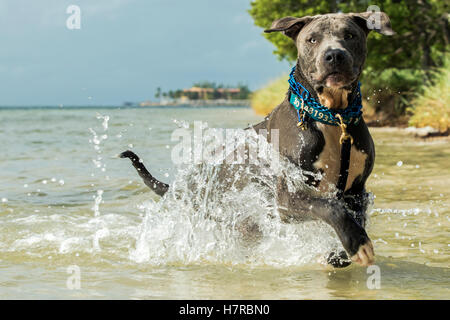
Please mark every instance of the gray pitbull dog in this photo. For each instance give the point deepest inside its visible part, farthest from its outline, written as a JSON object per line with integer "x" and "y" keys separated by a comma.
{"x": 331, "y": 54}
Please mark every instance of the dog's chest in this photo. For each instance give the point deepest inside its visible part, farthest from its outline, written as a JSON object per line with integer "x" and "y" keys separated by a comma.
{"x": 329, "y": 160}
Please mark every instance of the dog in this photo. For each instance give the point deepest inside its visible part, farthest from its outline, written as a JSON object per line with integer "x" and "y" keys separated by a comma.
{"x": 331, "y": 54}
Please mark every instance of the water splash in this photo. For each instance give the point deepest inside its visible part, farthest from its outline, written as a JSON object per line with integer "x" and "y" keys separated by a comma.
{"x": 96, "y": 140}
{"x": 97, "y": 200}
{"x": 228, "y": 214}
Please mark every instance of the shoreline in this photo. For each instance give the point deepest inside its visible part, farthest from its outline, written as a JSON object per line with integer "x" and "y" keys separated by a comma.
{"x": 155, "y": 106}
{"x": 425, "y": 133}
{"x": 200, "y": 103}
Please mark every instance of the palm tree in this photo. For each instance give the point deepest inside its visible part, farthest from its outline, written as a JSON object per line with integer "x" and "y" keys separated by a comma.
{"x": 158, "y": 93}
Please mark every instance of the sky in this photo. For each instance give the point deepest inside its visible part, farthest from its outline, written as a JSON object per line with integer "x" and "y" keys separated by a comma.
{"x": 125, "y": 49}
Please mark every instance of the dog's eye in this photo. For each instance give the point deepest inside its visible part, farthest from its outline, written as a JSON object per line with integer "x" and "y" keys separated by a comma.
{"x": 312, "y": 40}
{"x": 348, "y": 36}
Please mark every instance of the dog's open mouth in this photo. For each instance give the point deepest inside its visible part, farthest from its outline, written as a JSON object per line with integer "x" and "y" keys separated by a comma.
{"x": 335, "y": 79}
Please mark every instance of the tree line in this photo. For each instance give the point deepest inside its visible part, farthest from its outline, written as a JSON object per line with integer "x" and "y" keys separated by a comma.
{"x": 212, "y": 91}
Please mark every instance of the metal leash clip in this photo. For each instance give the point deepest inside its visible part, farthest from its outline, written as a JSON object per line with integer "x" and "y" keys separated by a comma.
{"x": 344, "y": 135}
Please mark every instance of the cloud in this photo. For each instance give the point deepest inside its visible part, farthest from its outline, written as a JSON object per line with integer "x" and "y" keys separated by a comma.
{"x": 123, "y": 51}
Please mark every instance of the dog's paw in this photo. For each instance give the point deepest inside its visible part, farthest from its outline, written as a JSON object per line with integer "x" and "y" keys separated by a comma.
{"x": 338, "y": 260}
{"x": 365, "y": 254}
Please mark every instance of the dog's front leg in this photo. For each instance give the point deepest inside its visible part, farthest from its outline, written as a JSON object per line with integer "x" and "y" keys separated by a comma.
{"x": 358, "y": 203}
{"x": 334, "y": 212}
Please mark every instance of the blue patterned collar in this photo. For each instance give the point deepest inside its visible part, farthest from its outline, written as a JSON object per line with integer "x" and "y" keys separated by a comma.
{"x": 305, "y": 104}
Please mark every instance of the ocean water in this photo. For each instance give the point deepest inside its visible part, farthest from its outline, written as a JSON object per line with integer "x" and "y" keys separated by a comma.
{"x": 70, "y": 210}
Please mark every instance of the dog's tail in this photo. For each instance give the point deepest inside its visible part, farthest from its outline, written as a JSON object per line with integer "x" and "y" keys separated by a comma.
{"x": 160, "y": 188}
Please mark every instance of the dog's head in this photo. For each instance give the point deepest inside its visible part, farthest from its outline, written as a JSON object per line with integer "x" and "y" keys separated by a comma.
{"x": 332, "y": 47}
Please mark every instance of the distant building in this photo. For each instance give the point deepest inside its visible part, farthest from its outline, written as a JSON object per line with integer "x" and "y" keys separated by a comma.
{"x": 196, "y": 93}
{"x": 146, "y": 103}
{"x": 229, "y": 90}
{"x": 183, "y": 99}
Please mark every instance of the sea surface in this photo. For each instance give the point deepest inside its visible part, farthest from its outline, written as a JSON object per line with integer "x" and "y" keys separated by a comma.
{"x": 76, "y": 222}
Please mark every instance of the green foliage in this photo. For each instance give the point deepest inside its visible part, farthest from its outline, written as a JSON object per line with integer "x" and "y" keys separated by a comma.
{"x": 245, "y": 92}
{"x": 391, "y": 90}
{"x": 215, "y": 93}
{"x": 158, "y": 93}
{"x": 432, "y": 106}
{"x": 400, "y": 63}
{"x": 207, "y": 84}
{"x": 267, "y": 98}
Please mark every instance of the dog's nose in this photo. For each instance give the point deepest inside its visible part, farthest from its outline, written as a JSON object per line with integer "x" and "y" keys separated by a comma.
{"x": 334, "y": 56}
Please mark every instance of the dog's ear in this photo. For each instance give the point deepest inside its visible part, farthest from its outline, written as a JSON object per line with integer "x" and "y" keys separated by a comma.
{"x": 377, "y": 21}
{"x": 290, "y": 26}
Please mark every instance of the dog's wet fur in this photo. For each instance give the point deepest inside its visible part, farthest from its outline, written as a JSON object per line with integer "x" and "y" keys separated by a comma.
{"x": 331, "y": 54}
